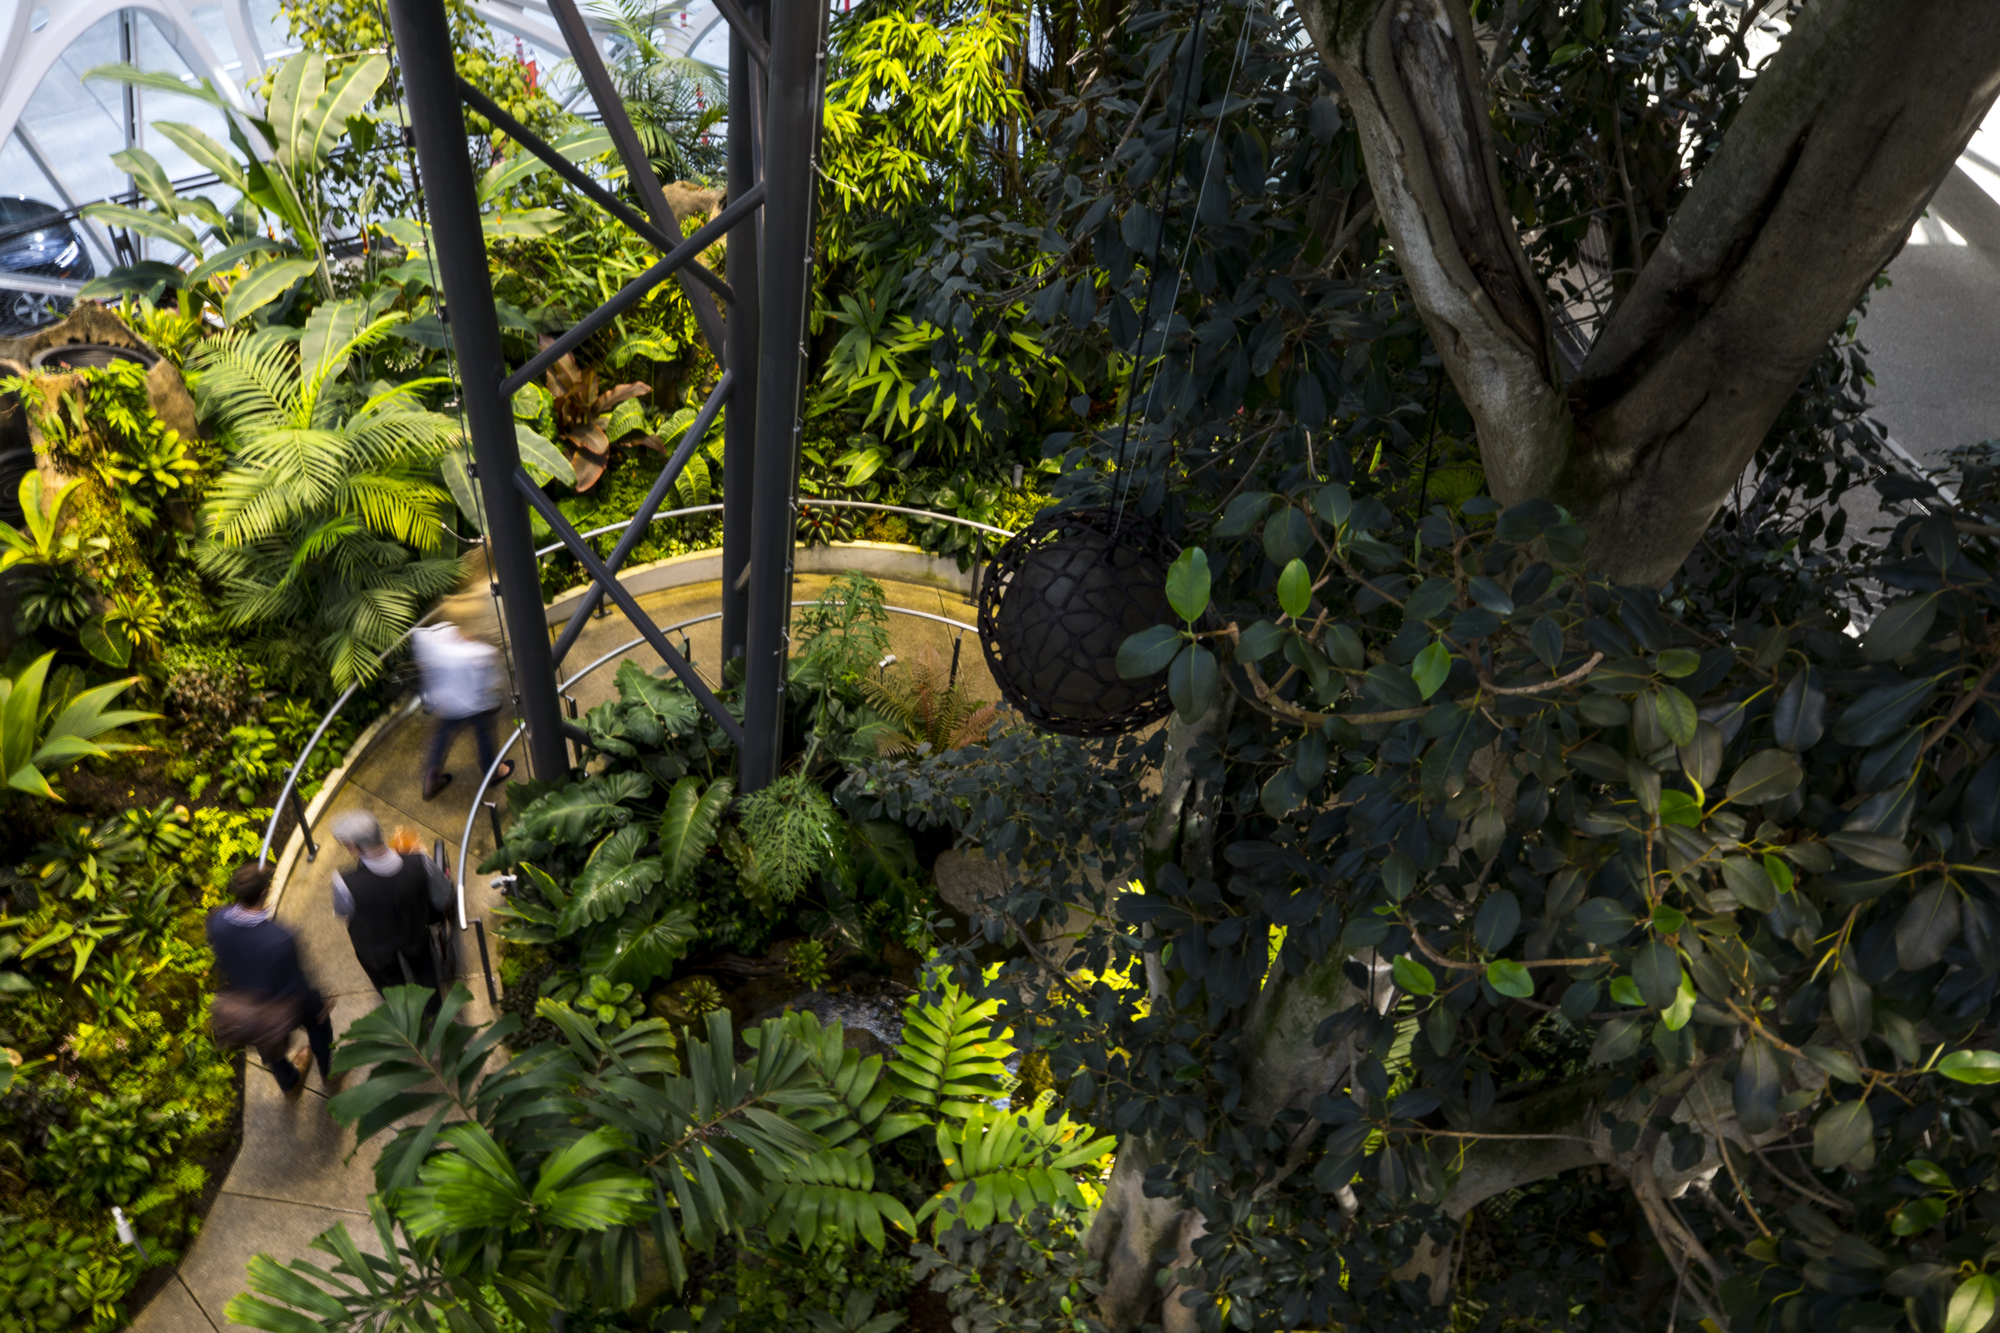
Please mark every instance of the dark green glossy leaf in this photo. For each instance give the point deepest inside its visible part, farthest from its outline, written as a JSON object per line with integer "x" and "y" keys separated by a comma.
{"x": 1498, "y": 920}
{"x": 1758, "y": 1086}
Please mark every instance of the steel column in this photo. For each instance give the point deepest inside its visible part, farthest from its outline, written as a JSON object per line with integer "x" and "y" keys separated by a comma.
{"x": 739, "y": 428}
{"x": 791, "y": 140}
{"x": 430, "y": 84}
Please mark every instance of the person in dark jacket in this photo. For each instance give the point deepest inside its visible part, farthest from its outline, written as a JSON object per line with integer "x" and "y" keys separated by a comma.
{"x": 258, "y": 955}
{"x": 388, "y": 900}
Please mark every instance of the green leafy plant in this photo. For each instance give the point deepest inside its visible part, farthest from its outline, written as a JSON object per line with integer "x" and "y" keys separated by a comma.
{"x": 313, "y": 105}
{"x": 501, "y": 1187}
{"x": 806, "y": 965}
{"x": 34, "y": 742}
{"x": 608, "y": 1003}
{"x": 53, "y": 1281}
{"x": 255, "y": 760}
{"x": 326, "y": 524}
{"x": 788, "y": 827}
{"x": 926, "y": 708}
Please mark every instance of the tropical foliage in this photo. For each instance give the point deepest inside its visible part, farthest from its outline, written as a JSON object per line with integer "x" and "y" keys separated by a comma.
{"x": 501, "y": 1194}
{"x": 311, "y": 528}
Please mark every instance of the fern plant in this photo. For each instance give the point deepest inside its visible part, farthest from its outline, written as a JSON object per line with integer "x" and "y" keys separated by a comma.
{"x": 926, "y": 707}
{"x": 327, "y": 524}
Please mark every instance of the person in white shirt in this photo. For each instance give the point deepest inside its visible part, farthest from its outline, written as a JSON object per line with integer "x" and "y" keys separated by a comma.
{"x": 462, "y": 687}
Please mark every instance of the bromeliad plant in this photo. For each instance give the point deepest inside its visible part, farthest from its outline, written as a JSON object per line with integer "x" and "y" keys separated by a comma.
{"x": 35, "y": 740}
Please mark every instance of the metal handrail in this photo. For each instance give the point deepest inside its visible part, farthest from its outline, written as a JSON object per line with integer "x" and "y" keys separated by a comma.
{"x": 929, "y": 514}
{"x": 478, "y": 796}
{"x": 290, "y": 789}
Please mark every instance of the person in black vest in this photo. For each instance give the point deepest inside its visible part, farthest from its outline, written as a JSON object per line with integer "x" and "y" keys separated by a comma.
{"x": 258, "y": 955}
{"x": 388, "y": 900}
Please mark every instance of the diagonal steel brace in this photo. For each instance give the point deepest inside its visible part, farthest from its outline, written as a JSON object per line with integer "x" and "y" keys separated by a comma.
{"x": 629, "y": 604}
{"x": 635, "y": 530}
{"x": 590, "y": 64}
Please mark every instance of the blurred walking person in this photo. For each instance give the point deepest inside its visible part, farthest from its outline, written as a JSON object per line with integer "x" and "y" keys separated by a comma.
{"x": 389, "y": 900}
{"x": 462, "y": 684}
{"x": 266, "y": 993}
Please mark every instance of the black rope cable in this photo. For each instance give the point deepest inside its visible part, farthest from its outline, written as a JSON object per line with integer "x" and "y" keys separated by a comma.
{"x": 1188, "y": 88}
{"x": 1120, "y": 491}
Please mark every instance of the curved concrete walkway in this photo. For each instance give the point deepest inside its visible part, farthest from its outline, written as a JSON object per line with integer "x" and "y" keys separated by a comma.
{"x": 292, "y": 1178}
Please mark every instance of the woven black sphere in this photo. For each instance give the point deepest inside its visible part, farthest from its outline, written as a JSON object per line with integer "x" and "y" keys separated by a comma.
{"x": 1059, "y": 598}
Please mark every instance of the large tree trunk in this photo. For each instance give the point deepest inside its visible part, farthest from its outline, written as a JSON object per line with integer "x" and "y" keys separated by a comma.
{"x": 1829, "y": 162}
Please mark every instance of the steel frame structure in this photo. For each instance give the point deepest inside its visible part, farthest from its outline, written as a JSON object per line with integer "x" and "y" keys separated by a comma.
{"x": 776, "y": 77}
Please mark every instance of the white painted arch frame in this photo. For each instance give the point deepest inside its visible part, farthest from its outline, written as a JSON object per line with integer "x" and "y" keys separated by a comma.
{"x": 27, "y": 57}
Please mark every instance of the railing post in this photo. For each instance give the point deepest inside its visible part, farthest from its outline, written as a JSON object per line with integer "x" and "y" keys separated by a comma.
{"x": 305, "y": 825}
{"x": 430, "y": 88}
{"x": 791, "y": 137}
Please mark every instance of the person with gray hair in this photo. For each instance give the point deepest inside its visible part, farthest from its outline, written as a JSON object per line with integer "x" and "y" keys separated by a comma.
{"x": 388, "y": 900}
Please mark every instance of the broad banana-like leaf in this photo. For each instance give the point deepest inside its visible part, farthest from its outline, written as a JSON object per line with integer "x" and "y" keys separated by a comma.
{"x": 263, "y": 285}
{"x": 147, "y": 278}
{"x": 409, "y": 234}
{"x": 206, "y": 151}
{"x": 577, "y": 145}
{"x": 150, "y": 177}
{"x": 689, "y": 826}
{"x": 542, "y": 460}
{"x": 160, "y": 82}
{"x": 295, "y": 90}
{"x": 146, "y": 224}
{"x": 231, "y": 255}
{"x": 346, "y": 96}
{"x": 521, "y": 224}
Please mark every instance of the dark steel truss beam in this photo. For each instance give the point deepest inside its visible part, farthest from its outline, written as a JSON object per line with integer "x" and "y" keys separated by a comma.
{"x": 635, "y": 530}
{"x": 747, "y": 29}
{"x": 584, "y": 185}
{"x": 430, "y": 85}
{"x": 608, "y": 582}
{"x": 791, "y": 140}
{"x": 634, "y": 291}
{"x": 638, "y": 167}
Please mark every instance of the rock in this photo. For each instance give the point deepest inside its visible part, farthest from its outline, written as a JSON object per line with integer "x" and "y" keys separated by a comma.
{"x": 690, "y": 200}
{"x": 966, "y": 880}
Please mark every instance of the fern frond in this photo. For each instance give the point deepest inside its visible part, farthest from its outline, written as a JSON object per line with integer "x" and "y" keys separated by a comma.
{"x": 950, "y": 1060}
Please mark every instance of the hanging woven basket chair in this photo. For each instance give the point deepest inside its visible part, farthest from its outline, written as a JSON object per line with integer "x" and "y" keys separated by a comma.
{"x": 1058, "y": 600}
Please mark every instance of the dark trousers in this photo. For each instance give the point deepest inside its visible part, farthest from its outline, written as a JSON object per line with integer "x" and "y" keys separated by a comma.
{"x": 447, "y": 730}
{"x": 315, "y": 1018}
{"x": 383, "y": 974}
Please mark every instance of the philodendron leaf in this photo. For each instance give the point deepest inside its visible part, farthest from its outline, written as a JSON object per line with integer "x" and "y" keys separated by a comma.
{"x": 610, "y": 880}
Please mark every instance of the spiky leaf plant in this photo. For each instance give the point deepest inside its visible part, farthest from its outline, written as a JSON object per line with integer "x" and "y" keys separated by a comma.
{"x": 326, "y": 529}
{"x": 927, "y": 707}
